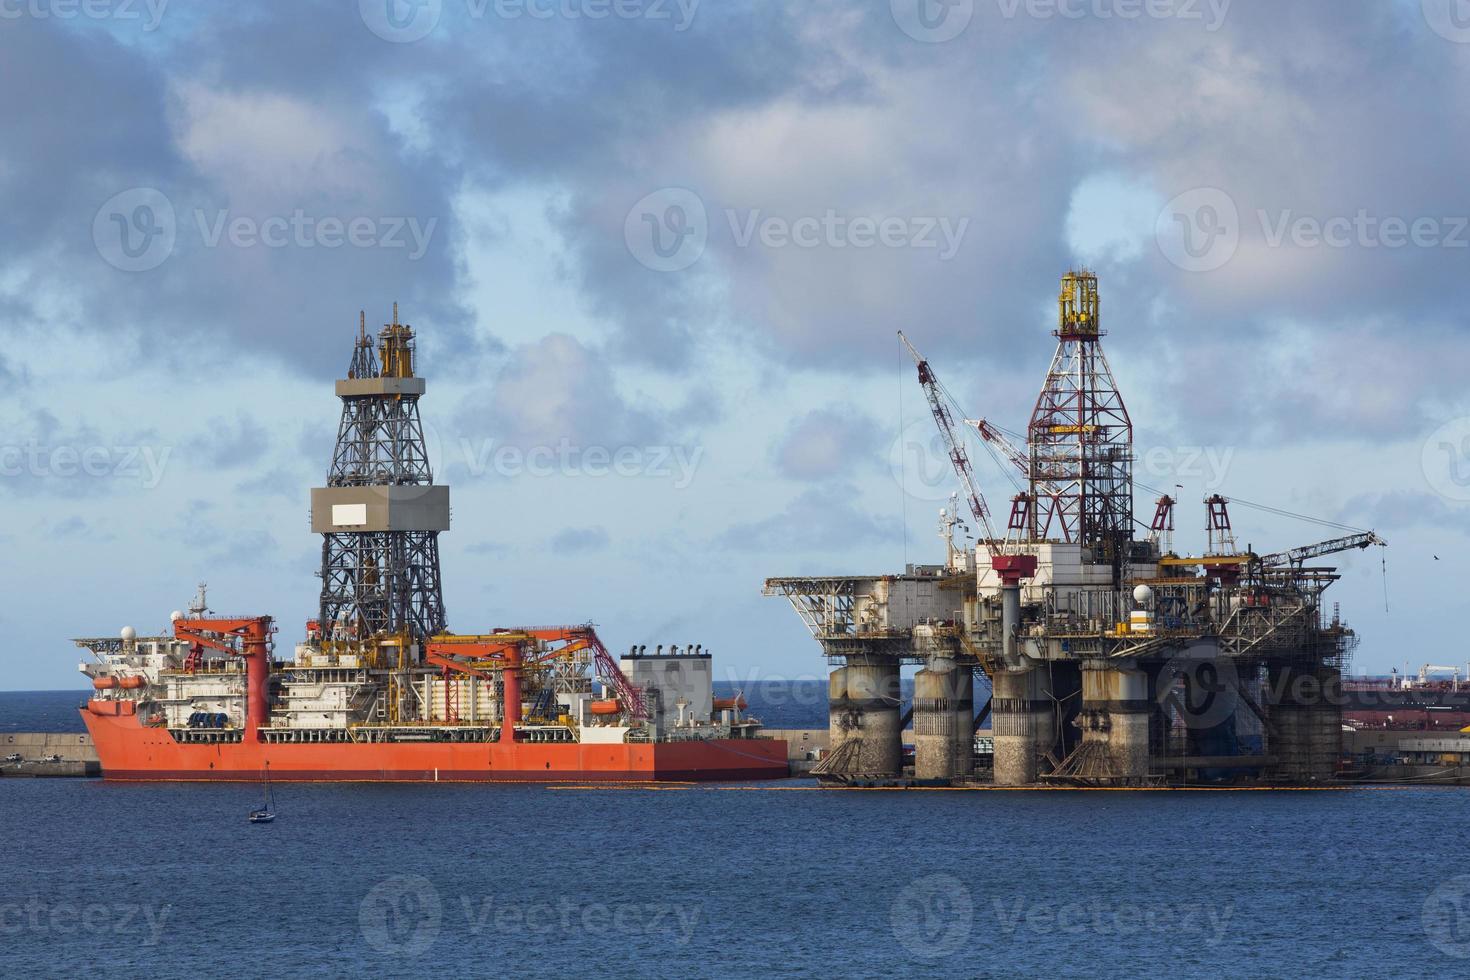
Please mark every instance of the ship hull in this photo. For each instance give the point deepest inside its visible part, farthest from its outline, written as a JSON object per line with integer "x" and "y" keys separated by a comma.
{"x": 132, "y": 752}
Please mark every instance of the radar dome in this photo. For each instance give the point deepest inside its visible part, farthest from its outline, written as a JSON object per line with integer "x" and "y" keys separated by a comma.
{"x": 175, "y": 616}
{"x": 1142, "y": 594}
{"x": 128, "y": 634}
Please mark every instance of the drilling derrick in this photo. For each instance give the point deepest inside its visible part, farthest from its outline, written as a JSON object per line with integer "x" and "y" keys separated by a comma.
{"x": 1081, "y": 438}
{"x": 380, "y": 513}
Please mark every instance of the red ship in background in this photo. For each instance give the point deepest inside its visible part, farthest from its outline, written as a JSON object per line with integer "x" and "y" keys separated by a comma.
{"x": 381, "y": 689}
{"x": 1426, "y": 701}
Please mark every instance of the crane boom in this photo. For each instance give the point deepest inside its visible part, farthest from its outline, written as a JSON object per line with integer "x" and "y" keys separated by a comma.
{"x": 998, "y": 439}
{"x": 957, "y": 455}
{"x": 1295, "y": 556}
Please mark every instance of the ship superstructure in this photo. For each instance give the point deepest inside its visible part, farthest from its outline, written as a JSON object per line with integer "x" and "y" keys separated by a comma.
{"x": 380, "y": 688}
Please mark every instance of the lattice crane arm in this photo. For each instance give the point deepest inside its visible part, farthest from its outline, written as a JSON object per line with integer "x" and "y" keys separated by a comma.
{"x": 996, "y": 438}
{"x": 957, "y": 455}
{"x": 1295, "y": 556}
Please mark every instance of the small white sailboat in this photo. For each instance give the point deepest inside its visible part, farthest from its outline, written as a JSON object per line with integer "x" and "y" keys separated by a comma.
{"x": 266, "y": 812}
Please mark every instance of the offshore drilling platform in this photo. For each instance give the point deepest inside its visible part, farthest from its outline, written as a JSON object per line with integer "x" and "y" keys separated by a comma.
{"x": 1112, "y": 661}
{"x": 381, "y": 689}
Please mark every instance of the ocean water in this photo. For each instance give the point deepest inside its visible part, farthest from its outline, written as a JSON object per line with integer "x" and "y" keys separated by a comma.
{"x": 724, "y": 881}
{"x": 169, "y": 880}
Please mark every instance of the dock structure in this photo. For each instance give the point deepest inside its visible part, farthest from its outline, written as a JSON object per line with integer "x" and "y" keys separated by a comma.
{"x": 1110, "y": 659}
{"x": 48, "y": 754}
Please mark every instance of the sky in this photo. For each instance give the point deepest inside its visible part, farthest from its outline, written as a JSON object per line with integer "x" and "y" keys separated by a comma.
{"x": 656, "y": 253}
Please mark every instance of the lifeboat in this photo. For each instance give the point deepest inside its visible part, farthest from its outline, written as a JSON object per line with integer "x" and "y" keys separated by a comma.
{"x": 730, "y": 704}
{"x": 132, "y": 683}
{"x": 104, "y": 683}
{"x": 608, "y": 707}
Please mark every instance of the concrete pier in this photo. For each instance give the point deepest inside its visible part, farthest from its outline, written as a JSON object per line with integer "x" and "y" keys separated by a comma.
{"x": 48, "y": 754}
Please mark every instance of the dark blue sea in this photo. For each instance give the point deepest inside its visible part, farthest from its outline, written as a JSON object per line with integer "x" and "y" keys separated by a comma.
{"x": 169, "y": 880}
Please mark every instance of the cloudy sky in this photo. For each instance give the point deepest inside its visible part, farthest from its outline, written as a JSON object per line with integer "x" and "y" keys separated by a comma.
{"x": 656, "y": 252}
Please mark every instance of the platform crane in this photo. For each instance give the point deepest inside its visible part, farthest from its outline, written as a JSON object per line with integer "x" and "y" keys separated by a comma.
{"x": 1295, "y": 556}
{"x": 1005, "y": 557}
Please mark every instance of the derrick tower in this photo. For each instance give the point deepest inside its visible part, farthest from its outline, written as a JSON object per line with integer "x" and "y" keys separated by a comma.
{"x": 1081, "y": 439}
{"x": 380, "y": 513}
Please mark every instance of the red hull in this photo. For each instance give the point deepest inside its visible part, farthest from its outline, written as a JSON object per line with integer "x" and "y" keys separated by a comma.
{"x": 129, "y": 751}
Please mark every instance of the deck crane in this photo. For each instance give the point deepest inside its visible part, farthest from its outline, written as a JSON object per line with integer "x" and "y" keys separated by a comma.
{"x": 957, "y": 455}
{"x": 1005, "y": 557}
{"x": 996, "y": 438}
{"x": 1295, "y": 556}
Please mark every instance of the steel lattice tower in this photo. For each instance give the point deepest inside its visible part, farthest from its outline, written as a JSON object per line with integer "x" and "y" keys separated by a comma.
{"x": 1081, "y": 439}
{"x": 380, "y": 513}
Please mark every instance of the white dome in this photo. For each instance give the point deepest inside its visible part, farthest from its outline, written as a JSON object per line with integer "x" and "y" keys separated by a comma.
{"x": 1142, "y": 594}
{"x": 175, "y": 616}
{"x": 128, "y": 634}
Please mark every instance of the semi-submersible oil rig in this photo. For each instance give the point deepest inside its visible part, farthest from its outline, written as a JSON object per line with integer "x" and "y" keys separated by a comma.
{"x": 1112, "y": 661}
